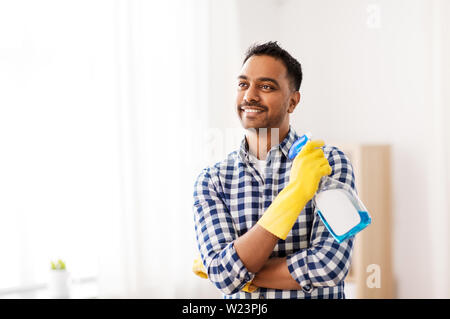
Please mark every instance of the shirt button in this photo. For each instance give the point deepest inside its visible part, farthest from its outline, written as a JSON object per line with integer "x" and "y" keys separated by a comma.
{"x": 307, "y": 288}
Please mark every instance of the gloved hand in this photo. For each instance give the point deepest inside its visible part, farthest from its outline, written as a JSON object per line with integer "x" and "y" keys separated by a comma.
{"x": 200, "y": 271}
{"x": 309, "y": 166}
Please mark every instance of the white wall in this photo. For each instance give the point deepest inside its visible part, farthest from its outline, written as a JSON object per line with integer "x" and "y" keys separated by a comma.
{"x": 372, "y": 78}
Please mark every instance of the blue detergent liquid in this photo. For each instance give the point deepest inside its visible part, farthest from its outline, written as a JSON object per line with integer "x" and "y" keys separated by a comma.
{"x": 364, "y": 222}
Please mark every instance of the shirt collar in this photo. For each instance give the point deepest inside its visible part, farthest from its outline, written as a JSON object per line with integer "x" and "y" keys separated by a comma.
{"x": 284, "y": 146}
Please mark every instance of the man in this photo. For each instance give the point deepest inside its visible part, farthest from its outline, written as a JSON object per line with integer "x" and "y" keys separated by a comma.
{"x": 258, "y": 233}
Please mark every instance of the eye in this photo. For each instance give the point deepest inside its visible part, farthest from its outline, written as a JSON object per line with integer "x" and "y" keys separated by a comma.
{"x": 267, "y": 87}
{"x": 242, "y": 84}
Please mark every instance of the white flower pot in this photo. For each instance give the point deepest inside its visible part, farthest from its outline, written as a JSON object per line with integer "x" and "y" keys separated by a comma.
{"x": 58, "y": 284}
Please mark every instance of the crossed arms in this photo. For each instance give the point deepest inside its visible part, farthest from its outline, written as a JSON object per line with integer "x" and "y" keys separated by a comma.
{"x": 232, "y": 261}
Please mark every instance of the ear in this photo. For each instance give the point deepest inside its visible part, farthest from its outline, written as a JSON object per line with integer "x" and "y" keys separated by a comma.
{"x": 294, "y": 99}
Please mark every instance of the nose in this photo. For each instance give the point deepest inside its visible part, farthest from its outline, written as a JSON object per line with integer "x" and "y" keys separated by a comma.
{"x": 251, "y": 95}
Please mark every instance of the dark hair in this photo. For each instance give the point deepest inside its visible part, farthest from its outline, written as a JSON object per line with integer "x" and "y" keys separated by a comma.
{"x": 294, "y": 68}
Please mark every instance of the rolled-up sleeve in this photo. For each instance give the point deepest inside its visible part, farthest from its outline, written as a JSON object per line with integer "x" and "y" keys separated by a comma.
{"x": 215, "y": 233}
{"x": 326, "y": 262}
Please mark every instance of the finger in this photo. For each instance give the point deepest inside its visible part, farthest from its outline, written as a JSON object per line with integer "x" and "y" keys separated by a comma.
{"x": 324, "y": 162}
{"x": 316, "y": 154}
{"x": 311, "y": 145}
{"x": 321, "y": 163}
{"x": 325, "y": 170}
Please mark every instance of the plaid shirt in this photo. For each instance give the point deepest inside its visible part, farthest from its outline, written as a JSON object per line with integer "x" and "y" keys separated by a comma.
{"x": 231, "y": 196}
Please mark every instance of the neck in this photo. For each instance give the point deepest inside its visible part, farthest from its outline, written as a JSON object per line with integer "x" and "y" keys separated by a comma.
{"x": 261, "y": 140}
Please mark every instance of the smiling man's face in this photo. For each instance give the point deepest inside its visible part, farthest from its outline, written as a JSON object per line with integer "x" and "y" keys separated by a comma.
{"x": 265, "y": 97}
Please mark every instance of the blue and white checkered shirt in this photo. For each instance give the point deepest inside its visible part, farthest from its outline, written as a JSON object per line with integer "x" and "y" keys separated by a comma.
{"x": 231, "y": 196}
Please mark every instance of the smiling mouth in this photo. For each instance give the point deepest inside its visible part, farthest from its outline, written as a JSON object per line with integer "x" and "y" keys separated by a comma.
{"x": 245, "y": 110}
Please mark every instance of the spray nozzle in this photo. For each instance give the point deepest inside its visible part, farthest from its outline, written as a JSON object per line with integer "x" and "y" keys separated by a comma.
{"x": 298, "y": 145}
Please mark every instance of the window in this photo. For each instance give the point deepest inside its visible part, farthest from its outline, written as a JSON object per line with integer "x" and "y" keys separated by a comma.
{"x": 58, "y": 137}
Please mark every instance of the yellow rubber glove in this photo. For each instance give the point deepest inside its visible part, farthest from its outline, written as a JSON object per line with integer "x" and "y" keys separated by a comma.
{"x": 309, "y": 166}
{"x": 200, "y": 271}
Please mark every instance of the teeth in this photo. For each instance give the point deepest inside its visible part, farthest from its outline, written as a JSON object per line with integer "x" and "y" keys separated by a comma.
{"x": 253, "y": 111}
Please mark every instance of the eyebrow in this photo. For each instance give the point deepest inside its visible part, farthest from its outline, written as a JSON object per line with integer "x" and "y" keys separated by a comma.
{"x": 263, "y": 79}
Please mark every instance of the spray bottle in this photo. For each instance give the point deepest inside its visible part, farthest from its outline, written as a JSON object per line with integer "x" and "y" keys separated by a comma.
{"x": 338, "y": 205}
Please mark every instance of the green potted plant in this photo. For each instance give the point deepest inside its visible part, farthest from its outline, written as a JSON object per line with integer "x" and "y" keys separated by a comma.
{"x": 59, "y": 280}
